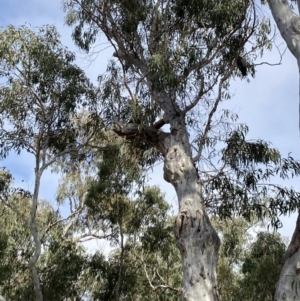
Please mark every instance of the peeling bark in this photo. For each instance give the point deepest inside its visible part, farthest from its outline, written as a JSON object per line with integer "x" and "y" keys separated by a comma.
{"x": 197, "y": 240}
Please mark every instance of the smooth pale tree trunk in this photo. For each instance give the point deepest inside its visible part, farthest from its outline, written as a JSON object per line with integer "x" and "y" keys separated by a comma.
{"x": 288, "y": 23}
{"x": 35, "y": 234}
{"x": 288, "y": 286}
{"x": 197, "y": 240}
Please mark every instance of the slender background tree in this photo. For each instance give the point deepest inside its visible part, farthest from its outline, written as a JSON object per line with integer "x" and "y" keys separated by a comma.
{"x": 40, "y": 105}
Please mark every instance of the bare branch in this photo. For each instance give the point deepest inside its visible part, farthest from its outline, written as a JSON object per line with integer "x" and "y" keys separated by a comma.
{"x": 89, "y": 236}
{"x": 160, "y": 286}
{"x": 211, "y": 114}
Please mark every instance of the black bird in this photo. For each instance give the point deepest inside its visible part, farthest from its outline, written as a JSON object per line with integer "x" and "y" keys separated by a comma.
{"x": 242, "y": 65}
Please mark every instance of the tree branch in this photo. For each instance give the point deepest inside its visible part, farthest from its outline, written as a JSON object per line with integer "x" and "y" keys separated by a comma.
{"x": 160, "y": 286}
{"x": 135, "y": 130}
{"x": 210, "y": 116}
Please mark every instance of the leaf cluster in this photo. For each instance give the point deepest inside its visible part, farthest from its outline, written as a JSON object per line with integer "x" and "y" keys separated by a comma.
{"x": 178, "y": 48}
{"x": 244, "y": 186}
{"x": 43, "y": 91}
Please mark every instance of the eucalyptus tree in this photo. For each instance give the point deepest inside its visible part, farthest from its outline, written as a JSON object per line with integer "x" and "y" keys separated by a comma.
{"x": 144, "y": 263}
{"x": 47, "y": 109}
{"x": 170, "y": 71}
{"x": 61, "y": 263}
{"x": 250, "y": 259}
{"x": 261, "y": 268}
{"x": 288, "y": 22}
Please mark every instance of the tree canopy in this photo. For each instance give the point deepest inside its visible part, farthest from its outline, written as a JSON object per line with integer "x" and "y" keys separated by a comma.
{"x": 159, "y": 101}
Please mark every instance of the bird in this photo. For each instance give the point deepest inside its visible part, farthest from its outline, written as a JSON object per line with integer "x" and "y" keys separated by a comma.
{"x": 242, "y": 65}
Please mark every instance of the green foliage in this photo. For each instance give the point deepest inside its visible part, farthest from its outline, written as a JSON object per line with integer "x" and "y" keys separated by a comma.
{"x": 261, "y": 268}
{"x": 179, "y": 56}
{"x": 151, "y": 262}
{"x": 4, "y": 267}
{"x": 173, "y": 56}
{"x": 234, "y": 243}
{"x": 108, "y": 195}
{"x": 249, "y": 267}
{"x": 61, "y": 262}
{"x": 146, "y": 258}
{"x": 245, "y": 188}
{"x": 43, "y": 91}
{"x": 180, "y": 49}
{"x": 60, "y": 269}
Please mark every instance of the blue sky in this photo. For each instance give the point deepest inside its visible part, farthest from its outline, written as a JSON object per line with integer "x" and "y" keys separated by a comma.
{"x": 269, "y": 104}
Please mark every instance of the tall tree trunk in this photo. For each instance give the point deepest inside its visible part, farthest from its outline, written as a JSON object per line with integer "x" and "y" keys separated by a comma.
{"x": 35, "y": 234}
{"x": 288, "y": 286}
{"x": 197, "y": 240}
{"x": 288, "y": 23}
{"x": 121, "y": 263}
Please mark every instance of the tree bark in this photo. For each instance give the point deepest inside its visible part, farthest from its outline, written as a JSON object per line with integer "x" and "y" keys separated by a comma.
{"x": 35, "y": 234}
{"x": 197, "y": 240}
{"x": 288, "y": 286}
{"x": 288, "y": 23}
{"x": 37, "y": 242}
{"x": 121, "y": 262}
